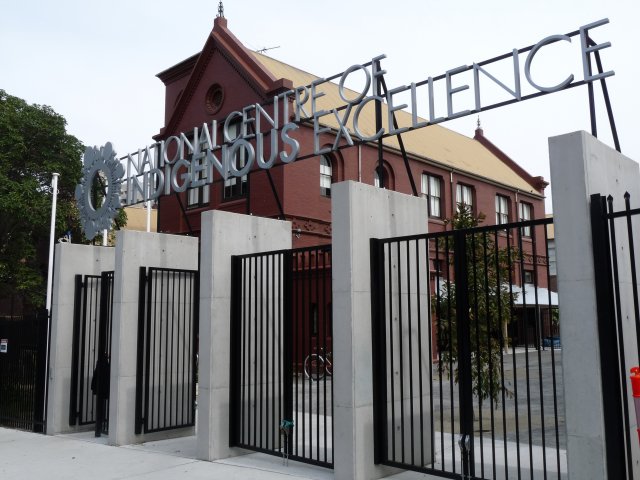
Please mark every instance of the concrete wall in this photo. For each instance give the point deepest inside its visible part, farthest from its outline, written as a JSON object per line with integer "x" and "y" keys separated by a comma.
{"x": 135, "y": 250}
{"x": 581, "y": 166}
{"x": 70, "y": 260}
{"x": 360, "y": 212}
{"x": 223, "y": 235}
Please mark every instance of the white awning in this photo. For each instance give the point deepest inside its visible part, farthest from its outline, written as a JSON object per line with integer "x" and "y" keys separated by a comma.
{"x": 545, "y": 297}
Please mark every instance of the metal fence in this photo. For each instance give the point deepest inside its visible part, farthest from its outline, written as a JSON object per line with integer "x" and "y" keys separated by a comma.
{"x": 281, "y": 378}
{"x": 23, "y": 343}
{"x": 467, "y": 378}
{"x": 167, "y": 349}
{"x": 618, "y": 303}
{"x": 91, "y": 351}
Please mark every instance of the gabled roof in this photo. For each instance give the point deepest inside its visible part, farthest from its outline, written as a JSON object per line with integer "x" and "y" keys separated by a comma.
{"x": 223, "y": 40}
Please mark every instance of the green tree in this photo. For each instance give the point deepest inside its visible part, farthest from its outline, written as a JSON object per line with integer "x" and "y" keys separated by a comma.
{"x": 33, "y": 145}
{"x": 489, "y": 309}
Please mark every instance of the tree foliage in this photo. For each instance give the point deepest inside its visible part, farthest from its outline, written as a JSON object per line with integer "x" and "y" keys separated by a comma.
{"x": 33, "y": 145}
{"x": 489, "y": 301}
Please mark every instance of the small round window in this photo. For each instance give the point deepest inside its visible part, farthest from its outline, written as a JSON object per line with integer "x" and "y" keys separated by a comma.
{"x": 214, "y": 98}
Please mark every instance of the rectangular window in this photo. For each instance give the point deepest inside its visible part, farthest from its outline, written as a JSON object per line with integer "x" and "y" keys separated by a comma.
{"x": 431, "y": 190}
{"x": 528, "y": 276}
{"x": 236, "y": 186}
{"x": 464, "y": 195}
{"x": 502, "y": 210}
{"x": 325, "y": 176}
{"x": 525, "y": 213}
{"x": 198, "y": 196}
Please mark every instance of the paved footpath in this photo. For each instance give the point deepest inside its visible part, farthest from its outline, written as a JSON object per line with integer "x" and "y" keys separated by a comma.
{"x": 27, "y": 456}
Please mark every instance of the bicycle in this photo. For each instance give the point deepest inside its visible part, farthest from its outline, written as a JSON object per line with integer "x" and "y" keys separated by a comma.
{"x": 317, "y": 365}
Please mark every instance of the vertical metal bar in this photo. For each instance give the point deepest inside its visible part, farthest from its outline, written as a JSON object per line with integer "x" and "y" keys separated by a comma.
{"x": 401, "y": 350}
{"x": 82, "y": 408}
{"x": 475, "y": 347}
{"x": 378, "y": 359}
{"x": 195, "y": 341}
{"x": 553, "y": 364}
{"x": 503, "y": 344}
{"x": 316, "y": 276}
{"x": 391, "y": 370}
{"x": 75, "y": 350}
{"x": 520, "y": 253}
{"x": 242, "y": 297}
{"x": 255, "y": 351}
{"x": 269, "y": 426}
{"x": 611, "y": 394}
{"x": 378, "y": 113}
{"x": 592, "y": 103}
{"x": 534, "y": 248}
{"x": 288, "y": 341}
{"x": 607, "y": 101}
{"x": 490, "y": 347}
{"x": 142, "y": 281}
{"x": 510, "y": 254}
{"x": 634, "y": 276}
{"x": 618, "y": 317}
{"x": 403, "y": 151}
{"x": 260, "y": 360}
{"x": 465, "y": 388}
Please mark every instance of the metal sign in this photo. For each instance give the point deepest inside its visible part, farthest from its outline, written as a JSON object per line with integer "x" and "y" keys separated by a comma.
{"x": 193, "y": 159}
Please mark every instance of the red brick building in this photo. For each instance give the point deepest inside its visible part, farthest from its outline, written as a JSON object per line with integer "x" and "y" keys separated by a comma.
{"x": 447, "y": 167}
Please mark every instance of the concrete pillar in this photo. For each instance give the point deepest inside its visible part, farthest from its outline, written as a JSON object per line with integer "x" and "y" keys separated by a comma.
{"x": 135, "y": 250}
{"x": 70, "y": 260}
{"x": 581, "y": 166}
{"x": 223, "y": 235}
{"x": 360, "y": 212}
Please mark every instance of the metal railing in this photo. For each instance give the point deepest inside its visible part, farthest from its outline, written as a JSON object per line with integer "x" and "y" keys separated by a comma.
{"x": 617, "y": 298}
{"x": 467, "y": 383}
{"x": 167, "y": 349}
{"x": 280, "y": 323}
{"x": 22, "y": 371}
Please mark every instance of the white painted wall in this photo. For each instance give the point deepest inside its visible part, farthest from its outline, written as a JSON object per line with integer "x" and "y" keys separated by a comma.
{"x": 581, "y": 166}
{"x": 70, "y": 260}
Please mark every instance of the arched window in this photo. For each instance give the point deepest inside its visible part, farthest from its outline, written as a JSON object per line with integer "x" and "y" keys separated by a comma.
{"x": 326, "y": 175}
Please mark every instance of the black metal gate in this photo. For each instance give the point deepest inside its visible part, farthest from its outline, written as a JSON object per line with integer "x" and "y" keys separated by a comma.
{"x": 618, "y": 323}
{"x": 281, "y": 375}
{"x": 23, "y": 350}
{"x": 467, "y": 379}
{"x": 167, "y": 349}
{"x": 91, "y": 351}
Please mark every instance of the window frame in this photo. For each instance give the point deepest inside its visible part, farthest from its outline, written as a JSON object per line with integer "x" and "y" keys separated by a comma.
{"x": 325, "y": 191}
{"x": 499, "y": 212}
{"x": 232, "y": 189}
{"x": 526, "y": 230}
{"x": 460, "y": 188}
{"x": 432, "y": 199}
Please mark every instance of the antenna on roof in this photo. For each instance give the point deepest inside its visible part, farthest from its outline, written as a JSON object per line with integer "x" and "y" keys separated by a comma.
{"x": 220, "y": 10}
{"x": 264, "y": 49}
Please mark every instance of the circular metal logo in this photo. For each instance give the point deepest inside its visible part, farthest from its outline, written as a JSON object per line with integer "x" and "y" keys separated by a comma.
{"x": 101, "y": 167}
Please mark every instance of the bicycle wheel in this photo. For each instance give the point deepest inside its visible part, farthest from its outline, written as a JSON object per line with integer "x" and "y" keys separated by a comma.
{"x": 329, "y": 364}
{"x": 314, "y": 367}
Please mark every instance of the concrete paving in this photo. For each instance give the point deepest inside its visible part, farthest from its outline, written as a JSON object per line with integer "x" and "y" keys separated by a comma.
{"x": 27, "y": 456}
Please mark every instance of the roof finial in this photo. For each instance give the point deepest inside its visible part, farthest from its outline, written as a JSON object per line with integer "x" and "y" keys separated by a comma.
{"x": 220, "y": 10}
{"x": 478, "y": 115}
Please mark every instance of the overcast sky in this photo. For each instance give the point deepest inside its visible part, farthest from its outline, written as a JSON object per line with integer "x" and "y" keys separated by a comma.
{"x": 95, "y": 62}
